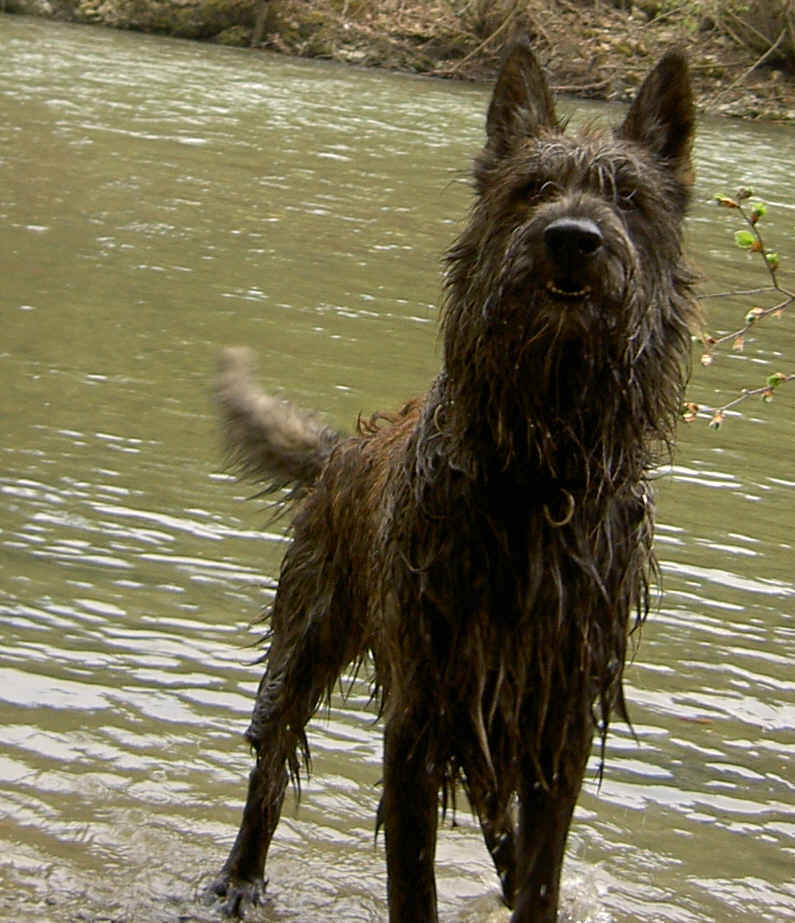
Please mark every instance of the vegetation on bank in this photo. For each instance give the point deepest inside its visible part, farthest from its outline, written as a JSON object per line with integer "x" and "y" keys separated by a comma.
{"x": 742, "y": 51}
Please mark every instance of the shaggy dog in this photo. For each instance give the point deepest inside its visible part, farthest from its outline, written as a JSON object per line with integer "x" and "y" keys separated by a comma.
{"x": 489, "y": 545}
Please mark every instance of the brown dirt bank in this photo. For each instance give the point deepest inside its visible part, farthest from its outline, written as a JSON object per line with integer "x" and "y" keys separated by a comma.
{"x": 742, "y": 65}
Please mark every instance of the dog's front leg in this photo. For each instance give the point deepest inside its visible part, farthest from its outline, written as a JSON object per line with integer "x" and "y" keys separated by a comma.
{"x": 409, "y": 810}
{"x": 544, "y": 823}
{"x": 490, "y": 795}
{"x": 544, "y": 817}
{"x": 498, "y": 831}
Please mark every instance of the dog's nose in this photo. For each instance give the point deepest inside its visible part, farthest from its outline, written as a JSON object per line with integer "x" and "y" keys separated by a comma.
{"x": 569, "y": 239}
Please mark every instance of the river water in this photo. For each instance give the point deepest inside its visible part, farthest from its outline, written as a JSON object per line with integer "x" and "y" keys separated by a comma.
{"x": 159, "y": 199}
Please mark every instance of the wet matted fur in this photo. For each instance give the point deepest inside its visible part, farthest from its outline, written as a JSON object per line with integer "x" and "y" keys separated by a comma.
{"x": 489, "y": 545}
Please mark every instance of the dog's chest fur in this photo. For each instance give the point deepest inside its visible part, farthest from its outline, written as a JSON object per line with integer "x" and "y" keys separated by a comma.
{"x": 507, "y": 594}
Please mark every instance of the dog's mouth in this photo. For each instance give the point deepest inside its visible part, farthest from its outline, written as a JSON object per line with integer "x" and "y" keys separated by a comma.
{"x": 567, "y": 289}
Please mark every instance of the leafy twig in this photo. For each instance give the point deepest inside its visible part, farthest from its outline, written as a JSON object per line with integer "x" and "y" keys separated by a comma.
{"x": 749, "y": 239}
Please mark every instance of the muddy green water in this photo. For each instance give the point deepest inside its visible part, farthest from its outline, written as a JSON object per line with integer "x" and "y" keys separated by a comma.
{"x": 159, "y": 199}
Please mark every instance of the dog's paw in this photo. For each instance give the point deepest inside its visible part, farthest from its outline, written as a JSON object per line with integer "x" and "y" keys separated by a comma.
{"x": 235, "y": 894}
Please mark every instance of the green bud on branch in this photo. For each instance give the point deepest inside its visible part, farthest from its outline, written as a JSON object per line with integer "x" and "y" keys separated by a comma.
{"x": 758, "y": 211}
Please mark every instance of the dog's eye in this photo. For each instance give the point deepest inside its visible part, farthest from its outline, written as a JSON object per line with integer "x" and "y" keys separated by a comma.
{"x": 628, "y": 201}
{"x": 532, "y": 191}
{"x": 527, "y": 192}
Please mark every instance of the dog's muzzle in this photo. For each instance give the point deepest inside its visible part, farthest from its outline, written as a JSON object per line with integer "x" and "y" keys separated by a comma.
{"x": 571, "y": 245}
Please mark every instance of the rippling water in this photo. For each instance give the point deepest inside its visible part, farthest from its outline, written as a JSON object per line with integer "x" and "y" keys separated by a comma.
{"x": 159, "y": 199}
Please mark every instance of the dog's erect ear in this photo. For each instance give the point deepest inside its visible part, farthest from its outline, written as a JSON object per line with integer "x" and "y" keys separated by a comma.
{"x": 521, "y": 102}
{"x": 662, "y": 117}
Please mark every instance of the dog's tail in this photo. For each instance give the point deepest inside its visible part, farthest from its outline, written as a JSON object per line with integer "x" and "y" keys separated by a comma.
{"x": 265, "y": 438}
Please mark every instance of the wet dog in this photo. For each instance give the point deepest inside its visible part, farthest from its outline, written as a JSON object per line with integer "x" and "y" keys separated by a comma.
{"x": 487, "y": 549}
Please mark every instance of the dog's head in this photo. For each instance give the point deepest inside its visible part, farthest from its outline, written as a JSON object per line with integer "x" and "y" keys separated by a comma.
{"x": 570, "y": 227}
{"x": 571, "y": 269}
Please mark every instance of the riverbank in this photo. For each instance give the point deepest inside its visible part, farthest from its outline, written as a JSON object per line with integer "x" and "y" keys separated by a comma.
{"x": 589, "y": 49}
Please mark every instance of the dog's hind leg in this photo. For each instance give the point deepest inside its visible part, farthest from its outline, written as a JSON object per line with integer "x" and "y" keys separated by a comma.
{"x": 276, "y": 743}
{"x": 410, "y": 813}
{"x": 310, "y": 646}
{"x": 240, "y": 881}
